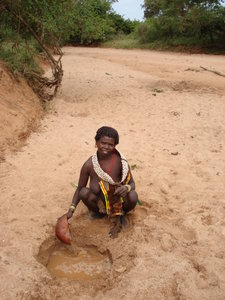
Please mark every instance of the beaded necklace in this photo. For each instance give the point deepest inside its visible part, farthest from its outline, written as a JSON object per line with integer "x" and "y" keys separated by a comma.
{"x": 106, "y": 177}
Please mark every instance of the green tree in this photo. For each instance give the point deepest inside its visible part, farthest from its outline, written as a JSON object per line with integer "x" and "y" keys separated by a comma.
{"x": 51, "y": 20}
{"x": 190, "y": 21}
{"x": 155, "y": 8}
{"x": 91, "y": 21}
{"x": 121, "y": 25}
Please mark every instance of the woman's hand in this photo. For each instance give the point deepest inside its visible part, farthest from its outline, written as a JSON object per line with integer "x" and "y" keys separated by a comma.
{"x": 121, "y": 191}
{"x": 69, "y": 214}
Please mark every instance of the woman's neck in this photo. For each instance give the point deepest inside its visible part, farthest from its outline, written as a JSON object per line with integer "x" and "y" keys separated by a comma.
{"x": 104, "y": 157}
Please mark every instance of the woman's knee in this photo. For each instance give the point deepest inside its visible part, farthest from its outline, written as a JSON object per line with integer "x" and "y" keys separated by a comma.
{"x": 84, "y": 193}
{"x": 131, "y": 202}
{"x": 133, "y": 197}
{"x": 87, "y": 195}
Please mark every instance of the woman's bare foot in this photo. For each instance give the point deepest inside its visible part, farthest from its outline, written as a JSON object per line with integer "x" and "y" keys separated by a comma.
{"x": 115, "y": 226}
{"x": 124, "y": 221}
{"x": 95, "y": 215}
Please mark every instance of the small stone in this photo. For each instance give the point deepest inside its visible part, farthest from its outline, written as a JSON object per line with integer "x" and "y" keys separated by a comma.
{"x": 120, "y": 269}
{"x": 219, "y": 255}
{"x": 174, "y": 153}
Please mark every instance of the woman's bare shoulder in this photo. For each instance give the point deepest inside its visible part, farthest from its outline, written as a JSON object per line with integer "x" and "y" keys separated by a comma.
{"x": 88, "y": 164}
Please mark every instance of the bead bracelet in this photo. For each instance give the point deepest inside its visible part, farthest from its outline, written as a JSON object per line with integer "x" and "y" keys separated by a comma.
{"x": 128, "y": 187}
{"x": 72, "y": 207}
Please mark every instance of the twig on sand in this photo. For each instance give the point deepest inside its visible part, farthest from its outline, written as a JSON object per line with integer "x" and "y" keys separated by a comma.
{"x": 213, "y": 71}
{"x": 74, "y": 185}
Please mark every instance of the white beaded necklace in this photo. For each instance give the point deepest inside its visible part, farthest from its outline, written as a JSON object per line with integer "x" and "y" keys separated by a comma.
{"x": 106, "y": 177}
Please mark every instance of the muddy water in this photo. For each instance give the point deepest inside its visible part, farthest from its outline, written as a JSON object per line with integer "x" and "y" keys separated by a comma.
{"x": 83, "y": 264}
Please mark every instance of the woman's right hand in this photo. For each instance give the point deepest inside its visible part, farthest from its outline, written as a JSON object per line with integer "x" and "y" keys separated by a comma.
{"x": 69, "y": 214}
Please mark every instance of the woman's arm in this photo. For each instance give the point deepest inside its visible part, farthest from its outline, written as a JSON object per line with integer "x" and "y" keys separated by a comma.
{"x": 83, "y": 179}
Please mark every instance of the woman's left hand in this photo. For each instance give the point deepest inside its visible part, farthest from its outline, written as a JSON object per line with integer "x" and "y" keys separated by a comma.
{"x": 121, "y": 191}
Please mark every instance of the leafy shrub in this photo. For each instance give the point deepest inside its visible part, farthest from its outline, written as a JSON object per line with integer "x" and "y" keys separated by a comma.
{"x": 17, "y": 52}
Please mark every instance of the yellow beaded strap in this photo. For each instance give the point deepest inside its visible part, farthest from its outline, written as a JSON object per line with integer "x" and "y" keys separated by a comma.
{"x": 128, "y": 178}
{"x": 105, "y": 193}
{"x": 107, "y": 205}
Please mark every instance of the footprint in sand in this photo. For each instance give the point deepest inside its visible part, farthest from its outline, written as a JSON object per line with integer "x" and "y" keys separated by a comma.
{"x": 145, "y": 205}
{"x": 141, "y": 212}
{"x": 189, "y": 234}
{"x": 206, "y": 219}
{"x": 204, "y": 279}
{"x": 167, "y": 242}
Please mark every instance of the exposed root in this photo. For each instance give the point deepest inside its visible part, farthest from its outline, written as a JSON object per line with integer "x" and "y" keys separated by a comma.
{"x": 44, "y": 87}
{"x": 213, "y": 71}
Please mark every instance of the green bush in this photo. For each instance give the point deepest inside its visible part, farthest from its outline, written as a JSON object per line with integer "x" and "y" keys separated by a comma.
{"x": 122, "y": 41}
{"x": 20, "y": 56}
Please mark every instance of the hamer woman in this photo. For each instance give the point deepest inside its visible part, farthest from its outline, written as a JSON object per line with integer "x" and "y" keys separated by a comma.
{"x": 111, "y": 182}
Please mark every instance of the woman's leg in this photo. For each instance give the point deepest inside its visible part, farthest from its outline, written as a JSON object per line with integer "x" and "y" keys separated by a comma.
{"x": 130, "y": 201}
{"x": 89, "y": 199}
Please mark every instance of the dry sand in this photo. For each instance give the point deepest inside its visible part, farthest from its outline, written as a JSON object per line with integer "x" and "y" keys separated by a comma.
{"x": 170, "y": 114}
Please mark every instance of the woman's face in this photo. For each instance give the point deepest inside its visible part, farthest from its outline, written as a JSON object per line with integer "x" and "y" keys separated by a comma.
{"x": 105, "y": 145}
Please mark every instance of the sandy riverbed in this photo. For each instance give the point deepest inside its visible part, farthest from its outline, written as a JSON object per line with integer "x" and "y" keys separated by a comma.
{"x": 170, "y": 114}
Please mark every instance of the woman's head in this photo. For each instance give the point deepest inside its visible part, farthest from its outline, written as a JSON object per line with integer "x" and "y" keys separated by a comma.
{"x": 109, "y": 132}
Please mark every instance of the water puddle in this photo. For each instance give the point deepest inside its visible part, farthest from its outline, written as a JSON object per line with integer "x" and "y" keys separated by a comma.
{"x": 83, "y": 264}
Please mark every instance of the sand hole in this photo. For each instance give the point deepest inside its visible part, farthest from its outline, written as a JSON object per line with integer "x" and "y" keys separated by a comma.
{"x": 83, "y": 264}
